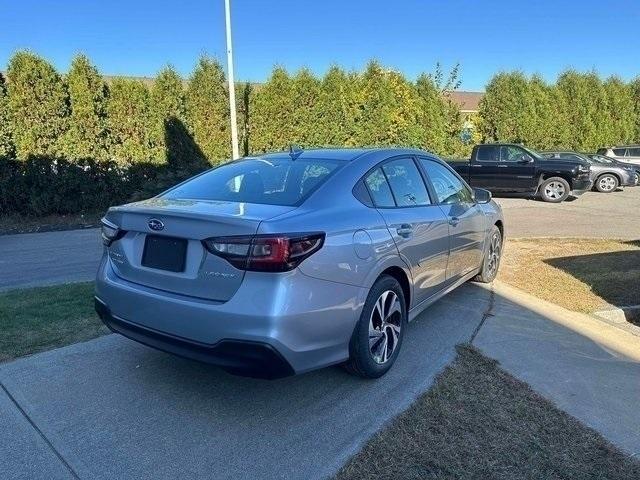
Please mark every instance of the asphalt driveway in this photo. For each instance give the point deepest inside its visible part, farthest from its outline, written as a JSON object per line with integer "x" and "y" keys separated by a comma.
{"x": 58, "y": 257}
{"x": 592, "y": 215}
{"x": 111, "y": 408}
{"x": 32, "y": 259}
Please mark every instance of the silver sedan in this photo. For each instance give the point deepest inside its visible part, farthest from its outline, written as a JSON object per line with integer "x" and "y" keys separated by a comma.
{"x": 282, "y": 263}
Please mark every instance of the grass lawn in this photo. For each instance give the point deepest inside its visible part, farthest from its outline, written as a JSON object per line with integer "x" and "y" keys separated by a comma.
{"x": 480, "y": 422}
{"x": 37, "y": 319}
{"x": 11, "y": 224}
{"x": 579, "y": 274}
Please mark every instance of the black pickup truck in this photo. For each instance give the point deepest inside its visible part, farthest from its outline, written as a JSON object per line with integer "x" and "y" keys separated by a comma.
{"x": 505, "y": 167}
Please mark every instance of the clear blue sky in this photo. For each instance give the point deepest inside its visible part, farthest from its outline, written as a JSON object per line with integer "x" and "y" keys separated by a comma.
{"x": 138, "y": 37}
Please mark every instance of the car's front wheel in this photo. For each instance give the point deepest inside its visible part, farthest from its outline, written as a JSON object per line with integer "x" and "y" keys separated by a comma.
{"x": 492, "y": 256}
{"x": 607, "y": 183}
{"x": 554, "y": 190}
{"x": 377, "y": 338}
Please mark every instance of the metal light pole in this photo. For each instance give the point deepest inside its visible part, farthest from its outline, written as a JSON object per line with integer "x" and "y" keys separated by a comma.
{"x": 232, "y": 85}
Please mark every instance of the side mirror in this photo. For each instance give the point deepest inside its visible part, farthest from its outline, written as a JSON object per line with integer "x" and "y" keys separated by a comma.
{"x": 525, "y": 159}
{"x": 480, "y": 195}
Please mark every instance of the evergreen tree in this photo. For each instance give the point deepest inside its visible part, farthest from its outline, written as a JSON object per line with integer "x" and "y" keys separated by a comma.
{"x": 87, "y": 133}
{"x": 167, "y": 105}
{"x": 129, "y": 120}
{"x": 337, "y": 109}
{"x": 272, "y": 113}
{"x": 6, "y": 142}
{"x": 38, "y": 105}
{"x": 435, "y": 115}
{"x": 503, "y": 117}
{"x": 584, "y": 106}
{"x": 621, "y": 112}
{"x": 635, "y": 94}
{"x": 389, "y": 109}
{"x": 207, "y": 110}
{"x": 544, "y": 127}
{"x": 305, "y": 127}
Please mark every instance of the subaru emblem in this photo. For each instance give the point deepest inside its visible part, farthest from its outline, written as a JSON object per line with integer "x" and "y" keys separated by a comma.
{"x": 156, "y": 225}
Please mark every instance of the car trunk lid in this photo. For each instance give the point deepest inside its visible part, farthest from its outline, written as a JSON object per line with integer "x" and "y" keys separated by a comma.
{"x": 163, "y": 248}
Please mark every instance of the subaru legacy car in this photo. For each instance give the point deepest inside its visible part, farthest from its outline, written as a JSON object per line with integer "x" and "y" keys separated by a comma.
{"x": 282, "y": 263}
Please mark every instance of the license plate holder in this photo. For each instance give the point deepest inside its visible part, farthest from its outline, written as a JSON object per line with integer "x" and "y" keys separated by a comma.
{"x": 164, "y": 253}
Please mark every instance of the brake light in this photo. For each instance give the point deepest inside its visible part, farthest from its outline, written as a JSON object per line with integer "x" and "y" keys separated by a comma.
{"x": 266, "y": 253}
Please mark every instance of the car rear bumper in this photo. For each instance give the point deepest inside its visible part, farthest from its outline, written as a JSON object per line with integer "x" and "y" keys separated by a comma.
{"x": 581, "y": 186}
{"x": 275, "y": 324}
{"x": 628, "y": 179}
{"x": 253, "y": 359}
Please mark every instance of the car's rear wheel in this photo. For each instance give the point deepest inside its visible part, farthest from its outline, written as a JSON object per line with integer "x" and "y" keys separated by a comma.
{"x": 636, "y": 178}
{"x": 492, "y": 256}
{"x": 377, "y": 338}
{"x": 554, "y": 190}
{"x": 607, "y": 183}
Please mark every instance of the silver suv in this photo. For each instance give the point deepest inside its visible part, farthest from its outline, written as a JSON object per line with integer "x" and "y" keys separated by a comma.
{"x": 628, "y": 153}
{"x": 282, "y": 263}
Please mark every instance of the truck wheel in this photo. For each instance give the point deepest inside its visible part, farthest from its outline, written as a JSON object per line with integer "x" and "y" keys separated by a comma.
{"x": 554, "y": 190}
{"x": 607, "y": 183}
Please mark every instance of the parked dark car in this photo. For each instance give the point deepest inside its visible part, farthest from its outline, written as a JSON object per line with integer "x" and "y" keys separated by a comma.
{"x": 606, "y": 177}
{"x": 506, "y": 167}
{"x": 620, "y": 163}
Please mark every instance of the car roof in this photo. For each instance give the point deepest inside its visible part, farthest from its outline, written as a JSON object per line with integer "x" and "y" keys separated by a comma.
{"x": 345, "y": 154}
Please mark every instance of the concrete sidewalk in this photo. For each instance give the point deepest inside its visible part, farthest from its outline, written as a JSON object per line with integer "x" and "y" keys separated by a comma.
{"x": 585, "y": 366}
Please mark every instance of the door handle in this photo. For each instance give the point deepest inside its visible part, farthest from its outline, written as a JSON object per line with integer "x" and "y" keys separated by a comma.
{"x": 453, "y": 221}
{"x": 405, "y": 230}
{"x": 503, "y": 166}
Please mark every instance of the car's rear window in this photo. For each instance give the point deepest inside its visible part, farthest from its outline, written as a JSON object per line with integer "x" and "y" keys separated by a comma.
{"x": 269, "y": 181}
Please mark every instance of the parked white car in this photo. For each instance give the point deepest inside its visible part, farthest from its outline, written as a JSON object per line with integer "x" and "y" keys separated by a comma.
{"x": 624, "y": 153}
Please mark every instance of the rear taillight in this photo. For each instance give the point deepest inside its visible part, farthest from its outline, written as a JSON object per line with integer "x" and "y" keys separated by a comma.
{"x": 266, "y": 253}
{"x": 110, "y": 232}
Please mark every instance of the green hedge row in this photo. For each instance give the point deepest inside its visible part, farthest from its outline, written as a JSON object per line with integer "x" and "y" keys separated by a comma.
{"x": 580, "y": 111}
{"x": 80, "y": 142}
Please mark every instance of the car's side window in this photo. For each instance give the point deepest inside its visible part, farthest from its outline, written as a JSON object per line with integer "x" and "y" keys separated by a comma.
{"x": 634, "y": 152}
{"x": 619, "y": 151}
{"x": 379, "y": 189}
{"x": 449, "y": 188}
{"x": 406, "y": 183}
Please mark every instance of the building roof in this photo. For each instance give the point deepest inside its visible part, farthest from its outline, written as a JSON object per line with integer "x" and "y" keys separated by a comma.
{"x": 466, "y": 101}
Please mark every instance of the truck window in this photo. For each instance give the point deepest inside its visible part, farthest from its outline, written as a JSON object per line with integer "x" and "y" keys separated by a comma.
{"x": 509, "y": 153}
{"x": 487, "y": 153}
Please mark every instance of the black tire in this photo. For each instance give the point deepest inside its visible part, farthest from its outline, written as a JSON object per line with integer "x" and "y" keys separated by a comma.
{"x": 554, "y": 190}
{"x": 491, "y": 262}
{"x": 607, "y": 183}
{"x": 362, "y": 360}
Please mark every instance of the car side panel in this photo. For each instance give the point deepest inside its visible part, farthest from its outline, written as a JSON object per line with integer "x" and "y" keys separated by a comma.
{"x": 356, "y": 240}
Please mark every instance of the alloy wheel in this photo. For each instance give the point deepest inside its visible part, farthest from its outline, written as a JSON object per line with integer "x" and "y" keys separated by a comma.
{"x": 384, "y": 326}
{"x": 554, "y": 190}
{"x": 607, "y": 183}
{"x": 495, "y": 250}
